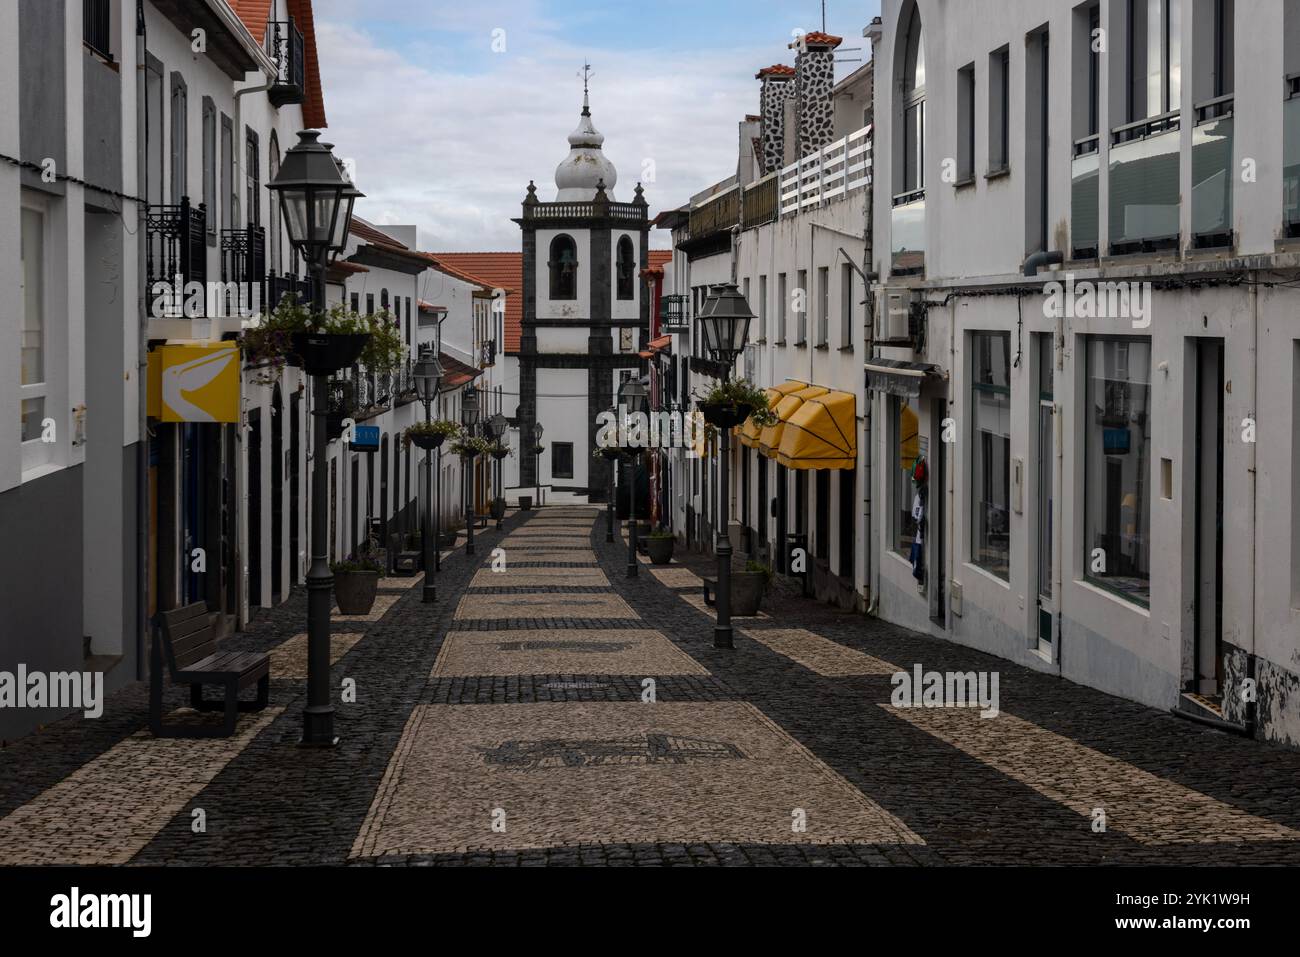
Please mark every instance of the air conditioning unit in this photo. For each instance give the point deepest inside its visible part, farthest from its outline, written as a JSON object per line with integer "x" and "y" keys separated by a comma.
{"x": 893, "y": 307}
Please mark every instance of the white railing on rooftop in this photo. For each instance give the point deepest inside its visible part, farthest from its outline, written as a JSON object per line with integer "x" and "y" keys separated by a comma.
{"x": 834, "y": 171}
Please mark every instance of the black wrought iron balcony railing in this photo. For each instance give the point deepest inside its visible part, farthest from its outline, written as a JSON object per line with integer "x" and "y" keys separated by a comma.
{"x": 95, "y": 26}
{"x": 674, "y": 314}
{"x": 243, "y": 269}
{"x": 176, "y": 243}
{"x": 487, "y": 354}
{"x": 284, "y": 45}
{"x": 277, "y": 287}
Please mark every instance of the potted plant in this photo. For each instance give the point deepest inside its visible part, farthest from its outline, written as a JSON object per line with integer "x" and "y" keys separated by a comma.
{"x": 659, "y": 546}
{"x": 356, "y": 583}
{"x": 731, "y": 403}
{"x": 430, "y": 435}
{"x": 471, "y": 446}
{"x": 498, "y": 509}
{"x": 322, "y": 343}
{"x": 610, "y": 453}
{"x": 538, "y": 449}
{"x": 747, "y": 588}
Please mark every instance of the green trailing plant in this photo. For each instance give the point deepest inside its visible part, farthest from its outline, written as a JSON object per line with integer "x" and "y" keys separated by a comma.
{"x": 500, "y": 448}
{"x": 356, "y": 563}
{"x": 470, "y": 445}
{"x": 737, "y": 392}
{"x": 761, "y": 569}
{"x": 661, "y": 533}
{"x": 444, "y": 427}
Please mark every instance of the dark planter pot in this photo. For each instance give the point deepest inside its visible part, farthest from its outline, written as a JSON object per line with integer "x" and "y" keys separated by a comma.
{"x": 498, "y": 509}
{"x": 747, "y": 592}
{"x": 355, "y": 591}
{"x": 660, "y": 550}
{"x": 539, "y": 449}
{"x": 426, "y": 441}
{"x": 725, "y": 416}
{"x": 525, "y": 503}
{"x": 323, "y": 354}
{"x": 501, "y": 454}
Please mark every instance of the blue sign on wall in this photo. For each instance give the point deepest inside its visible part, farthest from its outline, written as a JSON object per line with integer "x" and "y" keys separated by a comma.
{"x": 365, "y": 438}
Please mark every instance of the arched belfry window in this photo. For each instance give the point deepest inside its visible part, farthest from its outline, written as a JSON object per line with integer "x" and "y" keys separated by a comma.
{"x": 564, "y": 268}
{"x": 913, "y": 107}
{"x": 626, "y": 267}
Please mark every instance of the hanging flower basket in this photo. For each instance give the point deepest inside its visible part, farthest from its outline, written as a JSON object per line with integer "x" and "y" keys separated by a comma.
{"x": 726, "y": 415}
{"x": 431, "y": 435}
{"x": 538, "y": 449}
{"x": 471, "y": 448}
{"x": 324, "y": 353}
{"x": 500, "y": 452}
{"x": 611, "y": 455}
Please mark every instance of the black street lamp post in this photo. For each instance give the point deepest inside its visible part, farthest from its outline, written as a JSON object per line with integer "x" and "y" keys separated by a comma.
{"x": 497, "y": 426}
{"x": 469, "y": 412}
{"x": 537, "y": 461}
{"x": 634, "y": 396}
{"x": 316, "y": 199}
{"x": 428, "y": 381}
{"x": 724, "y": 321}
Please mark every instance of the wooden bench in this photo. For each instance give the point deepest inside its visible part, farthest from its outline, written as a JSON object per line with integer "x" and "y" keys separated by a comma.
{"x": 186, "y": 638}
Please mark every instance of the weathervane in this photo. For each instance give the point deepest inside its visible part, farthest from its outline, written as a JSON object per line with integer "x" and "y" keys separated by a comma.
{"x": 586, "y": 75}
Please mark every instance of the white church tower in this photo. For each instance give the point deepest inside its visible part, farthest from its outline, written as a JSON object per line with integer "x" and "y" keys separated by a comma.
{"x": 586, "y": 311}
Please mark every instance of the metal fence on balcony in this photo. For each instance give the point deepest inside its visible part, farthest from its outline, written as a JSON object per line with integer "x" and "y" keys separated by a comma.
{"x": 1212, "y": 178}
{"x": 284, "y": 45}
{"x": 95, "y": 26}
{"x": 1144, "y": 185}
{"x": 718, "y": 214}
{"x": 487, "y": 354}
{"x": 674, "y": 314}
{"x": 761, "y": 201}
{"x": 176, "y": 244}
{"x": 277, "y": 287}
{"x": 1291, "y": 157}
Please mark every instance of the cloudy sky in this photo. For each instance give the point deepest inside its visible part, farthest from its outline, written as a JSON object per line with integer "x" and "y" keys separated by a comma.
{"x": 449, "y": 107}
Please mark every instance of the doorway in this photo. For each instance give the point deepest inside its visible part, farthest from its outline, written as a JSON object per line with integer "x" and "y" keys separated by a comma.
{"x": 1207, "y": 673}
{"x": 254, "y": 508}
{"x": 277, "y": 496}
{"x": 295, "y": 488}
{"x": 936, "y": 522}
{"x": 1044, "y": 478}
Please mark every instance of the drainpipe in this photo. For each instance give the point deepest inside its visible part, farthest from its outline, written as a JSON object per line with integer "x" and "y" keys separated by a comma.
{"x": 1053, "y": 258}
{"x": 142, "y": 348}
{"x": 1058, "y": 481}
{"x": 1252, "y": 707}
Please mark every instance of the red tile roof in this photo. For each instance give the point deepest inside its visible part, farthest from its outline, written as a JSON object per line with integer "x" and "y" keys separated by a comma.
{"x": 817, "y": 39}
{"x": 461, "y": 274}
{"x": 499, "y": 271}
{"x": 254, "y": 14}
{"x": 778, "y": 69}
{"x": 660, "y": 257}
{"x": 372, "y": 234}
{"x": 456, "y": 373}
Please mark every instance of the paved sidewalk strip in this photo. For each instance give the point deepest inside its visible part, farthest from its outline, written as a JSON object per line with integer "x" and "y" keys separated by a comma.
{"x": 479, "y": 607}
{"x": 638, "y": 652}
{"x": 111, "y": 807}
{"x": 821, "y": 655}
{"x": 572, "y": 773}
{"x": 1149, "y": 809}
{"x": 289, "y": 658}
{"x": 676, "y": 577}
{"x": 512, "y": 577}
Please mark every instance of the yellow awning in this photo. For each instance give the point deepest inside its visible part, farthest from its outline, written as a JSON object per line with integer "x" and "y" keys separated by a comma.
{"x": 769, "y": 440}
{"x": 821, "y": 433}
{"x": 749, "y": 433}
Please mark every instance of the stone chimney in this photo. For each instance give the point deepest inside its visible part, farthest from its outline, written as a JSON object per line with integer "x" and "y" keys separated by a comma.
{"x": 814, "y": 82}
{"x": 777, "y": 87}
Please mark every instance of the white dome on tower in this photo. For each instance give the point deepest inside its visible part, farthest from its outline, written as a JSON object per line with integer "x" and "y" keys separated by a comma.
{"x": 586, "y": 166}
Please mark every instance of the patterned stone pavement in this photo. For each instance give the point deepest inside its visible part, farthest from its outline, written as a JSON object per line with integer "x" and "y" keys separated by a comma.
{"x": 550, "y": 710}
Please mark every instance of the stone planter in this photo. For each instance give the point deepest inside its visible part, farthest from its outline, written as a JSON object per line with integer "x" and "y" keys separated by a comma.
{"x": 498, "y": 509}
{"x": 525, "y": 503}
{"x": 660, "y": 550}
{"x": 326, "y": 353}
{"x": 747, "y": 592}
{"x": 355, "y": 591}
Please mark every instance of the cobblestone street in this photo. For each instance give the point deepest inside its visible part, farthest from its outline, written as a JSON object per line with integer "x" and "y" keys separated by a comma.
{"x": 559, "y": 712}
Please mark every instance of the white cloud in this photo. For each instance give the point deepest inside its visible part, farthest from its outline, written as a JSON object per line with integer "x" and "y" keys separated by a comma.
{"x": 449, "y": 143}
